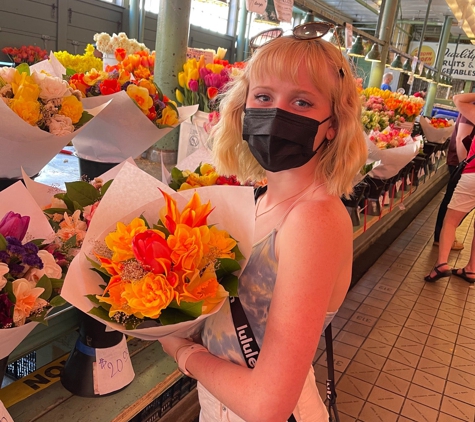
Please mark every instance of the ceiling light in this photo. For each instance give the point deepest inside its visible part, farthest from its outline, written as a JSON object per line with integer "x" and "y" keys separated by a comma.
{"x": 374, "y": 54}
{"x": 357, "y": 49}
{"x": 397, "y": 63}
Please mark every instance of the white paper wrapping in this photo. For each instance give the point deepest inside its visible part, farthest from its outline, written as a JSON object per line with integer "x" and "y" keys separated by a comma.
{"x": 436, "y": 135}
{"x": 121, "y": 130}
{"x": 23, "y": 145}
{"x": 133, "y": 193}
{"x": 16, "y": 198}
{"x": 393, "y": 159}
{"x": 52, "y": 66}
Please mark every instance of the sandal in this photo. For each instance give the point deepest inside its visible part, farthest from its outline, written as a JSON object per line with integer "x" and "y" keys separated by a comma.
{"x": 438, "y": 273}
{"x": 464, "y": 274}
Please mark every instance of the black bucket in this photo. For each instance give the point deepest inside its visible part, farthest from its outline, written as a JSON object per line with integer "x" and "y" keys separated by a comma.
{"x": 90, "y": 169}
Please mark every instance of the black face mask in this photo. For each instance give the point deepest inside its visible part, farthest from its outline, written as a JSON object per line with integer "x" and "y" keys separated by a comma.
{"x": 280, "y": 140}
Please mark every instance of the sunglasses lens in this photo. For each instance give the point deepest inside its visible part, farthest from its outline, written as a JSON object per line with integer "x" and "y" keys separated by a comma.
{"x": 312, "y": 30}
{"x": 264, "y": 37}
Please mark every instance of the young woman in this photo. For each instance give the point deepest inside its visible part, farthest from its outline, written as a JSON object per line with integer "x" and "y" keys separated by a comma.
{"x": 293, "y": 116}
{"x": 462, "y": 202}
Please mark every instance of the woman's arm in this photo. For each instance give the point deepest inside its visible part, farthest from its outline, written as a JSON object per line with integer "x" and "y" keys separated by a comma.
{"x": 464, "y": 105}
{"x": 315, "y": 250}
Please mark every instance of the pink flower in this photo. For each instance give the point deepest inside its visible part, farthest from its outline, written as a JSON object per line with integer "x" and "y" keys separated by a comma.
{"x": 89, "y": 211}
{"x": 13, "y": 224}
{"x": 193, "y": 85}
{"x": 72, "y": 226}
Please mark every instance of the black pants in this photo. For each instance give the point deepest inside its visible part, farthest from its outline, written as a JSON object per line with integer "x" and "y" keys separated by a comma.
{"x": 443, "y": 206}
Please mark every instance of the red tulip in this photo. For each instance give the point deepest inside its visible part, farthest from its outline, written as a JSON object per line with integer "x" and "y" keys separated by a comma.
{"x": 152, "y": 251}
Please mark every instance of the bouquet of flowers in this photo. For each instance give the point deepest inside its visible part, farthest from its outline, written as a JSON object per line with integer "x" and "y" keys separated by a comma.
{"x": 165, "y": 260}
{"x": 201, "y": 82}
{"x": 25, "y": 54}
{"x": 204, "y": 175}
{"x": 437, "y": 130}
{"x": 79, "y": 63}
{"x": 140, "y": 64}
{"x": 30, "y": 275}
{"x": 108, "y": 44}
{"x": 39, "y": 115}
{"x": 393, "y": 148}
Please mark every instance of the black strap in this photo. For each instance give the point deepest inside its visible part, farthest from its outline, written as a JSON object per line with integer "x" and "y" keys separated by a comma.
{"x": 249, "y": 347}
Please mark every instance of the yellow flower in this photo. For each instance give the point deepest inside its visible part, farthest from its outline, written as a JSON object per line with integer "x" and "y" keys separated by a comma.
{"x": 93, "y": 76}
{"x": 220, "y": 244}
{"x": 214, "y": 67}
{"x": 207, "y": 169}
{"x": 169, "y": 117}
{"x": 124, "y": 76}
{"x": 72, "y": 108}
{"x": 141, "y": 97}
{"x": 181, "y": 80}
{"x": 145, "y": 83}
{"x": 148, "y": 296}
{"x": 120, "y": 241}
{"x": 28, "y": 110}
{"x": 203, "y": 288}
{"x": 24, "y": 87}
{"x": 179, "y": 96}
{"x": 195, "y": 180}
{"x": 187, "y": 246}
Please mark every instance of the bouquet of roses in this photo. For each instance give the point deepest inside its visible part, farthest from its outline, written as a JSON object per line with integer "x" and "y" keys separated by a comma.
{"x": 394, "y": 148}
{"x": 39, "y": 115}
{"x": 167, "y": 261}
{"x": 437, "y": 130}
{"x": 31, "y": 276}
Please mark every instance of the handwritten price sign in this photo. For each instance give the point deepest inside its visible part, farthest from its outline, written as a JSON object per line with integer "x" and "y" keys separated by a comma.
{"x": 4, "y": 415}
{"x": 113, "y": 369}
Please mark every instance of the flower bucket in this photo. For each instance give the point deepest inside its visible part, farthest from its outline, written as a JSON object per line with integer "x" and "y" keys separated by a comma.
{"x": 108, "y": 60}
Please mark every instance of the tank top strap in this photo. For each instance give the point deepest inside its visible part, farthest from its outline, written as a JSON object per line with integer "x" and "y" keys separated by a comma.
{"x": 282, "y": 220}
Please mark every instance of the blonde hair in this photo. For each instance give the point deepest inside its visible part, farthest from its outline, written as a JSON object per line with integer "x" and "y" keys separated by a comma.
{"x": 343, "y": 156}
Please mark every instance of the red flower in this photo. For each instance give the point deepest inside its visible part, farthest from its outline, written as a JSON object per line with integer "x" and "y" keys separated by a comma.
{"x": 109, "y": 86}
{"x": 152, "y": 113}
{"x": 152, "y": 251}
{"x": 120, "y": 54}
{"x": 212, "y": 92}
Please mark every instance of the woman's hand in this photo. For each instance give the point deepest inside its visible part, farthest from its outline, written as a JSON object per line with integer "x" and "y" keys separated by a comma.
{"x": 171, "y": 345}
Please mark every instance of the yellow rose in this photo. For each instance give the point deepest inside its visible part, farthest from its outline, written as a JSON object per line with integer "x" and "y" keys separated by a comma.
{"x": 120, "y": 241}
{"x": 169, "y": 117}
{"x": 24, "y": 87}
{"x": 140, "y": 96}
{"x": 72, "y": 108}
{"x": 148, "y": 296}
{"x": 28, "y": 110}
{"x": 187, "y": 246}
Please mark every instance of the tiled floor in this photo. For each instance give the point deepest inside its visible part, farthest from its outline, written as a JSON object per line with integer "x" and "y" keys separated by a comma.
{"x": 404, "y": 349}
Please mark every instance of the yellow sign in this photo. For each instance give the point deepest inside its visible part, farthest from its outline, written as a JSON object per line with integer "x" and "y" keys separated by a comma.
{"x": 427, "y": 55}
{"x": 36, "y": 381}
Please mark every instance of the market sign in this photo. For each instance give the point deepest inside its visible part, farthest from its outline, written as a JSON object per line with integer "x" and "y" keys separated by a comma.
{"x": 462, "y": 61}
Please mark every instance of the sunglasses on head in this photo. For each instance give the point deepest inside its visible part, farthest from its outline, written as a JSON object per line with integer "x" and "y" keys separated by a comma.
{"x": 306, "y": 31}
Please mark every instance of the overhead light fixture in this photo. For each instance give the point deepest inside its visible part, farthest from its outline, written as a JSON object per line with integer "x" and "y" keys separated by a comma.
{"x": 309, "y": 17}
{"x": 357, "y": 49}
{"x": 374, "y": 54}
{"x": 407, "y": 66}
{"x": 396, "y": 64}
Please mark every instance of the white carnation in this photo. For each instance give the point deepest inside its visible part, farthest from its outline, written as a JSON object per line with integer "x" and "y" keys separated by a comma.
{"x": 60, "y": 125}
{"x": 51, "y": 87}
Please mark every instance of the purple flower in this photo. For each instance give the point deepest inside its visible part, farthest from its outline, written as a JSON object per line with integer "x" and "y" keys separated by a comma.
{"x": 14, "y": 225}
{"x": 6, "y": 306}
{"x": 193, "y": 85}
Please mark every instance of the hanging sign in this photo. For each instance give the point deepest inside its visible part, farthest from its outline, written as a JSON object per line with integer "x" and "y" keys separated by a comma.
{"x": 458, "y": 64}
{"x": 256, "y": 6}
{"x": 348, "y": 35}
{"x": 284, "y": 10}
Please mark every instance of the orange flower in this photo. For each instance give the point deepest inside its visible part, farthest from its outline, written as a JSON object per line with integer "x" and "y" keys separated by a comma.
{"x": 141, "y": 97}
{"x": 120, "y": 241}
{"x": 115, "y": 289}
{"x": 120, "y": 54}
{"x": 27, "y": 299}
{"x": 194, "y": 214}
{"x": 187, "y": 246}
{"x": 149, "y": 296}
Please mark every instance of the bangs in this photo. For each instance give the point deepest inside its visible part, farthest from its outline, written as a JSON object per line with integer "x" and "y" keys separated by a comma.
{"x": 286, "y": 55}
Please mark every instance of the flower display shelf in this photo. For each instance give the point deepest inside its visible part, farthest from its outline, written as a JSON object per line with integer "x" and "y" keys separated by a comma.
{"x": 376, "y": 188}
{"x": 353, "y": 204}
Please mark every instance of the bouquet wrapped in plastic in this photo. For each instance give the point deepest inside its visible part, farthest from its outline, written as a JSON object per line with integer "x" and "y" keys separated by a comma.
{"x": 155, "y": 261}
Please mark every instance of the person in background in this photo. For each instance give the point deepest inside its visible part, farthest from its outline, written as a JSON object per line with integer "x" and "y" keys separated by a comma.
{"x": 387, "y": 79}
{"x": 462, "y": 202}
{"x": 300, "y": 127}
{"x": 462, "y": 135}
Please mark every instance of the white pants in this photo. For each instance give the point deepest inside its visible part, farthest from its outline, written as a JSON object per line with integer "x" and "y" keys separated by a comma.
{"x": 310, "y": 407}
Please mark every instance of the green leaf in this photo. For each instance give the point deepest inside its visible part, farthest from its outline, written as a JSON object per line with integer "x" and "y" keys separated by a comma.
{"x": 9, "y": 290}
{"x": 45, "y": 283}
{"x": 66, "y": 200}
{"x": 70, "y": 72}
{"x": 3, "y": 243}
{"x": 105, "y": 186}
{"x": 57, "y": 301}
{"x": 101, "y": 313}
{"x": 230, "y": 283}
{"x": 84, "y": 119}
{"x": 226, "y": 266}
{"x": 176, "y": 173}
{"x": 71, "y": 242}
{"x": 94, "y": 299}
{"x": 238, "y": 256}
{"x": 23, "y": 68}
{"x": 40, "y": 317}
{"x": 173, "y": 316}
{"x": 78, "y": 206}
{"x": 57, "y": 211}
{"x": 193, "y": 309}
{"x": 56, "y": 283}
{"x": 173, "y": 107}
{"x": 83, "y": 193}
{"x": 97, "y": 266}
{"x": 145, "y": 221}
{"x": 106, "y": 277}
{"x": 162, "y": 228}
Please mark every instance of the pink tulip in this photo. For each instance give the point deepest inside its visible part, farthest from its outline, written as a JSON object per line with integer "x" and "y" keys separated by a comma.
{"x": 14, "y": 225}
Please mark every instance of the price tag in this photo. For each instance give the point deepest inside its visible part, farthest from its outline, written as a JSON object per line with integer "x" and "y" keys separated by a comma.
{"x": 408, "y": 180}
{"x": 398, "y": 185}
{"x": 112, "y": 369}
{"x": 4, "y": 415}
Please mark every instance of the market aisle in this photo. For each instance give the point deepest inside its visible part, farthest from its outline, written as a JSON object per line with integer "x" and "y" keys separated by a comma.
{"x": 405, "y": 349}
